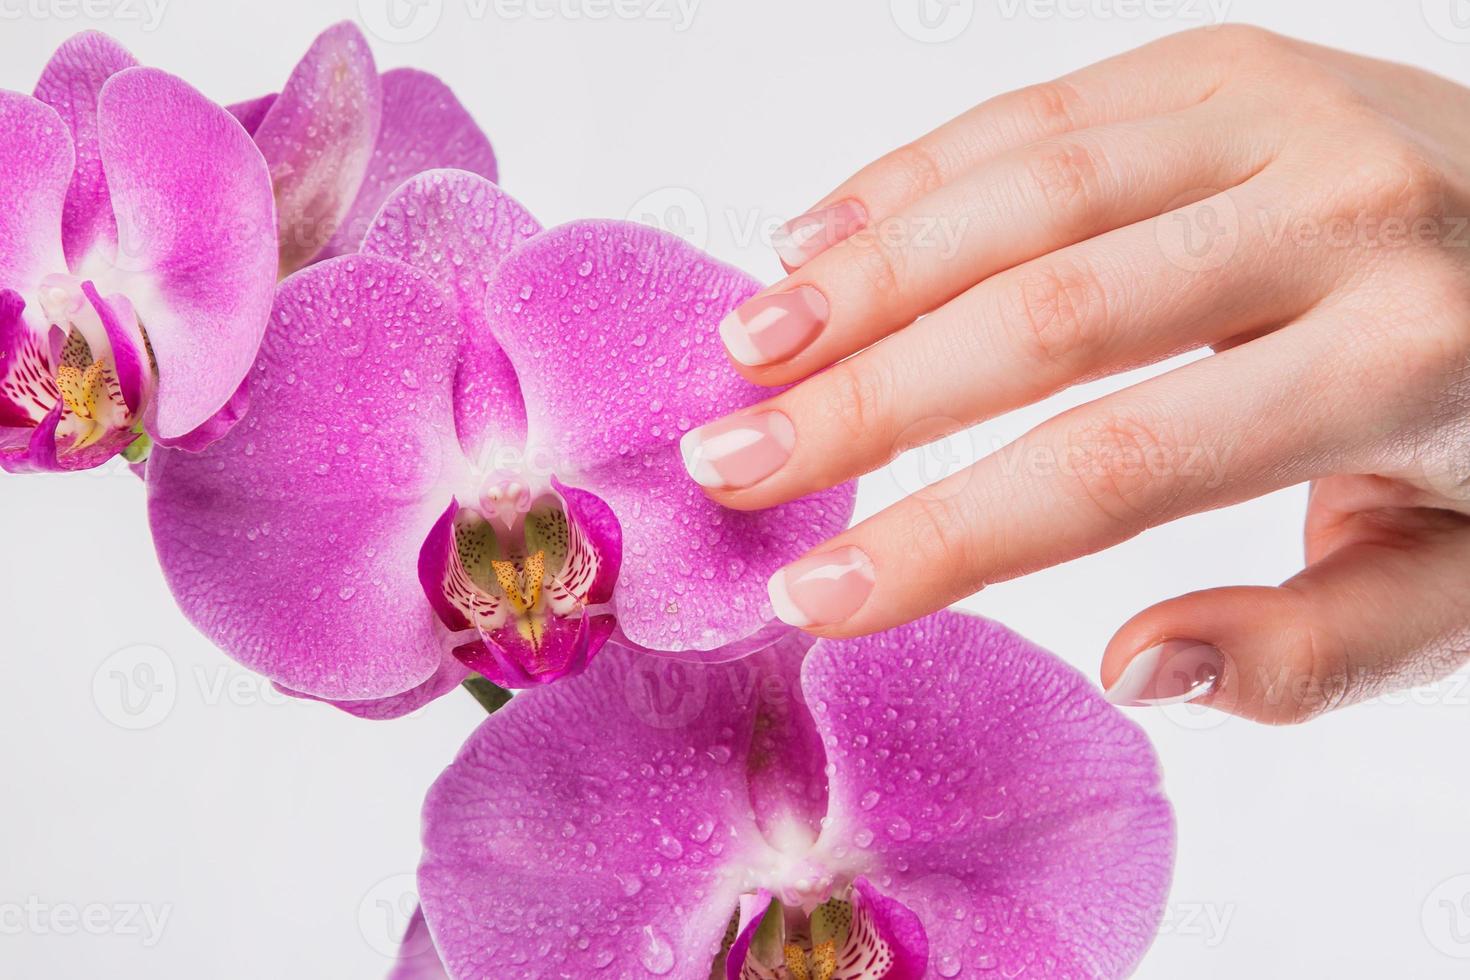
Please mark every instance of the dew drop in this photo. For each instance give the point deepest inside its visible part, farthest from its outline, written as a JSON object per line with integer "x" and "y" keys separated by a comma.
{"x": 655, "y": 953}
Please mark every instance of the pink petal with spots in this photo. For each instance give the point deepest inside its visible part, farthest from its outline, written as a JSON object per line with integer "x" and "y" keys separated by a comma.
{"x": 611, "y": 328}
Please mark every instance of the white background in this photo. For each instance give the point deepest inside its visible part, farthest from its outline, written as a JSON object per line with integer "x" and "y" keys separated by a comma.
{"x": 278, "y": 837}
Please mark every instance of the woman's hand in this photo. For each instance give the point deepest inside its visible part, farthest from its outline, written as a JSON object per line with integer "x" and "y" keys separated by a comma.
{"x": 1300, "y": 211}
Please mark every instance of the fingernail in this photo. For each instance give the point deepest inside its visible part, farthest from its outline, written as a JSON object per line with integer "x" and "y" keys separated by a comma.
{"x": 775, "y": 327}
{"x": 823, "y": 589}
{"x": 1173, "y": 672}
{"x": 739, "y": 451}
{"x": 802, "y": 239}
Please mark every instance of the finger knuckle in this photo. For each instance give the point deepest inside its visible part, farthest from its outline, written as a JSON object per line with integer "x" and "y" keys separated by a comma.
{"x": 1313, "y": 679}
{"x": 1396, "y": 177}
{"x": 1121, "y": 461}
{"x": 1065, "y": 176}
{"x": 860, "y": 400}
{"x": 879, "y": 263}
{"x": 1052, "y": 107}
{"x": 943, "y": 532}
{"x": 1245, "y": 42}
{"x": 1059, "y": 307}
{"x": 919, "y": 168}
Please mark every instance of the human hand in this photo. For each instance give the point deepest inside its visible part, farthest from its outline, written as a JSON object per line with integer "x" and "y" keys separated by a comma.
{"x": 1298, "y": 210}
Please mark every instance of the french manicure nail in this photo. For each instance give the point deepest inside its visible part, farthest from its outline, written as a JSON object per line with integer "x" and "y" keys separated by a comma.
{"x": 1172, "y": 672}
{"x": 823, "y": 589}
{"x": 803, "y": 238}
{"x": 775, "y": 327}
{"x": 738, "y": 451}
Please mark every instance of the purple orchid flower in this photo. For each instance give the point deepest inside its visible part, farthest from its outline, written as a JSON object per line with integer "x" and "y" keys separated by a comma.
{"x": 137, "y": 262}
{"x": 339, "y": 138}
{"x": 944, "y": 799}
{"x": 464, "y": 457}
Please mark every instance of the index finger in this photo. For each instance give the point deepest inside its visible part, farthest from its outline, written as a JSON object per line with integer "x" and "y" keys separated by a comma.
{"x": 1150, "y": 80}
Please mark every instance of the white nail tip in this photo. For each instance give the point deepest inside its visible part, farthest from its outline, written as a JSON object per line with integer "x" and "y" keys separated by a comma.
{"x": 785, "y": 609}
{"x": 1141, "y": 676}
{"x": 737, "y": 342}
{"x": 697, "y": 463}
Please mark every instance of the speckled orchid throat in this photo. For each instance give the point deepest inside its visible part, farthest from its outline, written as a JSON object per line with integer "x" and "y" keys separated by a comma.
{"x": 839, "y": 939}
{"x": 76, "y": 369}
{"x": 521, "y": 575}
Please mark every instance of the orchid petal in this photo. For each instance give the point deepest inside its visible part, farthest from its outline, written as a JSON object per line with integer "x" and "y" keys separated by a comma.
{"x": 292, "y": 542}
{"x": 196, "y": 242}
{"x": 459, "y": 227}
{"x": 42, "y": 452}
{"x": 606, "y": 800}
{"x": 38, "y": 454}
{"x": 217, "y": 425}
{"x": 252, "y": 112}
{"x": 611, "y": 328}
{"x": 318, "y": 138}
{"x": 898, "y": 928}
{"x": 417, "y": 957}
{"x": 71, "y": 83}
{"x": 753, "y": 909}
{"x": 997, "y": 795}
{"x": 36, "y": 163}
{"x": 450, "y": 675}
{"x": 27, "y": 386}
{"x": 424, "y": 127}
{"x": 129, "y": 355}
{"x": 787, "y": 767}
{"x": 596, "y": 550}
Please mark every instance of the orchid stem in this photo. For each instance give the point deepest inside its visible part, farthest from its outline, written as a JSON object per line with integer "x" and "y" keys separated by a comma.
{"x": 492, "y": 697}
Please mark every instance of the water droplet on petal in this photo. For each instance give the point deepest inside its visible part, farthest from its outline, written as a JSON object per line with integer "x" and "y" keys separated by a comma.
{"x": 655, "y": 953}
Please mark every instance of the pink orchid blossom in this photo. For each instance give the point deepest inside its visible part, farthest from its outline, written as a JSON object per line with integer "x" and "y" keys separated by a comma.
{"x": 464, "y": 456}
{"x": 340, "y": 137}
{"x": 941, "y": 800}
{"x": 137, "y": 262}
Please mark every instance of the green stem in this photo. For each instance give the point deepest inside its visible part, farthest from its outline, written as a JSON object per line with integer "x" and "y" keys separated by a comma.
{"x": 491, "y": 696}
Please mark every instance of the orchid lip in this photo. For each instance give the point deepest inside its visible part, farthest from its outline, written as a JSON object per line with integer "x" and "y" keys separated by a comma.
{"x": 514, "y": 576}
{"x": 93, "y": 370}
{"x": 839, "y": 938}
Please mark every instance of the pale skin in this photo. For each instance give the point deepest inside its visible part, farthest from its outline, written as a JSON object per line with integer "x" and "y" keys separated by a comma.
{"x": 1297, "y": 212}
